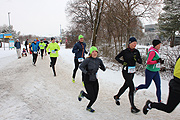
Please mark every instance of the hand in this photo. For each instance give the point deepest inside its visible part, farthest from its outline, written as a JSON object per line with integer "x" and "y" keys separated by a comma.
{"x": 56, "y": 49}
{"x": 160, "y": 61}
{"x": 80, "y": 49}
{"x": 89, "y": 73}
{"x": 124, "y": 63}
{"x": 86, "y": 52}
{"x": 49, "y": 52}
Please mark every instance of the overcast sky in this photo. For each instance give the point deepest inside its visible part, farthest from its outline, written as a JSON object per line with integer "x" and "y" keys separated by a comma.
{"x": 37, "y": 17}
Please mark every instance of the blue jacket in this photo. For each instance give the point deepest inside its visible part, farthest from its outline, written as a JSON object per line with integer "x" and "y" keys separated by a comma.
{"x": 34, "y": 47}
{"x": 17, "y": 45}
{"x": 79, "y": 50}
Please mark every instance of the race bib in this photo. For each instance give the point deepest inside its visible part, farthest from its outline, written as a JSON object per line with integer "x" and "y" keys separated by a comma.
{"x": 131, "y": 69}
{"x": 53, "y": 51}
{"x": 158, "y": 65}
{"x": 80, "y": 59}
{"x": 35, "y": 52}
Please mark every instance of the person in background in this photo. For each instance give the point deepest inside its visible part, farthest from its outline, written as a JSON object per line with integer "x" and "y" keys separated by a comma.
{"x": 26, "y": 44}
{"x": 90, "y": 67}
{"x": 46, "y": 42}
{"x": 174, "y": 94}
{"x": 53, "y": 49}
{"x": 34, "y": 50}
{"x": 153, "y": 68}
{"x": 24, "y": 52}
{"x": 17, "y": 44}
{"x": 130, "y": 57}
{"x": 79, "y": 49}
{"x": 42, "y": 46}
{"x": 30, "y": 48}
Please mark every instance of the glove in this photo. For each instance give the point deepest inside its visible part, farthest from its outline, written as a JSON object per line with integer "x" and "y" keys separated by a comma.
{"x": 56, "y": 49}
{"x": 80, "y": 49}
{"x": 49, "y": 52}
{"x": 160, "y": 61}
{"x": 124, "y": 63}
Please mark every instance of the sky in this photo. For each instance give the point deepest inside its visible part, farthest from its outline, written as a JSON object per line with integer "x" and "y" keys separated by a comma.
{"x": 36, "y": 17}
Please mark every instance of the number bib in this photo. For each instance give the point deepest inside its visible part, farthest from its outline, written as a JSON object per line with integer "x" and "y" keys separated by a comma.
{"x": 131, "y": 69}
{"x": 80, "y": 60}
{"x": 35, "y": 52}
{"x": 158, "y": 65}
{"x": 53, "y": 51}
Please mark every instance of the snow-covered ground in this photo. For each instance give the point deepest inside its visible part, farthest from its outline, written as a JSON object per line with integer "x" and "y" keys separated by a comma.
{"x": 33, "y": 93}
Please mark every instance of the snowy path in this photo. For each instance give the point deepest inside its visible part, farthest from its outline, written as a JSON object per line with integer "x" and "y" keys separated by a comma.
{"x": 33, "y": 93}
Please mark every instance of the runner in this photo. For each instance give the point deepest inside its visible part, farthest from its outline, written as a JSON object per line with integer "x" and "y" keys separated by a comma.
{"x": 42, "y": 46}
{"x": 79, "y": 49}
{"x": 174, "y": 94}
{"x": 152, "y": 69}
{"x": 130, "y": 56}
{"x": 26, "y": 44}
{"x": 17, "y": 44}
{"x": 90, "y": 68}
{"x": 34, "y": 50}
{"x": 53, "y": 49}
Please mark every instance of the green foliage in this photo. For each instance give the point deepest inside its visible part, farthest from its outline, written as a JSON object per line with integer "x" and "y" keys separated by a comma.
{"x": 169, "y": 20}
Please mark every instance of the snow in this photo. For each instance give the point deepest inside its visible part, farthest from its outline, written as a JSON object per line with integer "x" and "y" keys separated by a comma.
{"x": 33, "y": 93}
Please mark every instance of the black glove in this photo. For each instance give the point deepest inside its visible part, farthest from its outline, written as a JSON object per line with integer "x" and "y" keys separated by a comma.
{"x": 80, "y": 49}
{"x": 56, "y": 49}
{"x": 89, "y": 73}
{"x": 160, "y": 61}
{"x": 49, "y": 52}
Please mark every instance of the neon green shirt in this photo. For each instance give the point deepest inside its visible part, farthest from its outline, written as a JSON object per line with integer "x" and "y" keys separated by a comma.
{"x": 51, "y": 48}
{"x": 177, "y": 69}
{"x": 42, "y": 45}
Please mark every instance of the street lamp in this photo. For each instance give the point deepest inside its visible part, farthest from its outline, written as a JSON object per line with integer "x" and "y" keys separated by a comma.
{"x": 9, "y": 21}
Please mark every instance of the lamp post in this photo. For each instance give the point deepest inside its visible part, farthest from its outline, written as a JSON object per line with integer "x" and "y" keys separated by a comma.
{"x": 9, "y": 21}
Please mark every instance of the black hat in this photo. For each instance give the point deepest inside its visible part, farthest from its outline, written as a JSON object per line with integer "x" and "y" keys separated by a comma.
{"x": 52, "y": 38}
{"x": 132, "y": 39}
{"x": 155, "y": 42}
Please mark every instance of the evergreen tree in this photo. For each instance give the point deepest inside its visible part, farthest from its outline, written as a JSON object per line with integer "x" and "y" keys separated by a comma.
{"x": 169, "y": 20}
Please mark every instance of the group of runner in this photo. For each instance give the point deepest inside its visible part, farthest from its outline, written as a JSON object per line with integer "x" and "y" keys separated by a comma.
{"x": 130, "y": 55}
{"x": 128, "y": 58}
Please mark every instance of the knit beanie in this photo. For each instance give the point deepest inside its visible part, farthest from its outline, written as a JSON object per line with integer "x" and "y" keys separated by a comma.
{"x": 92, "y": 49}
{"x": 132, "y": 39}
{"x": 80, "y": 36}
{"x": 155, "y": 42}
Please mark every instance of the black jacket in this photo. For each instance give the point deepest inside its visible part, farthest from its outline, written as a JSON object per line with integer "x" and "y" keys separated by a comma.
{"x": 26, "y": 43}
{"x": 90, "y": 67}
{"x": 129, "y": 57}
{"x": 79, "y": 49}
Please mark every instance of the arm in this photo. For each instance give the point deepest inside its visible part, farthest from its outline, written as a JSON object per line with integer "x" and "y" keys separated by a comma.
{"x": 83, "y": 65}
{"x": 151, "y": 55}
{"x": 101, "y": 66}
{"x": 138, "y": 58}
{"x": 118, "y": 56}
{"x": 47, "y": 49}
{"x": 75, "y": 49}
{"x": 58, "y": 48}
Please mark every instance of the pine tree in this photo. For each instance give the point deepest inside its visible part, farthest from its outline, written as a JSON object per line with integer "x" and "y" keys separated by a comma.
{"x": 169, "y": 20}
